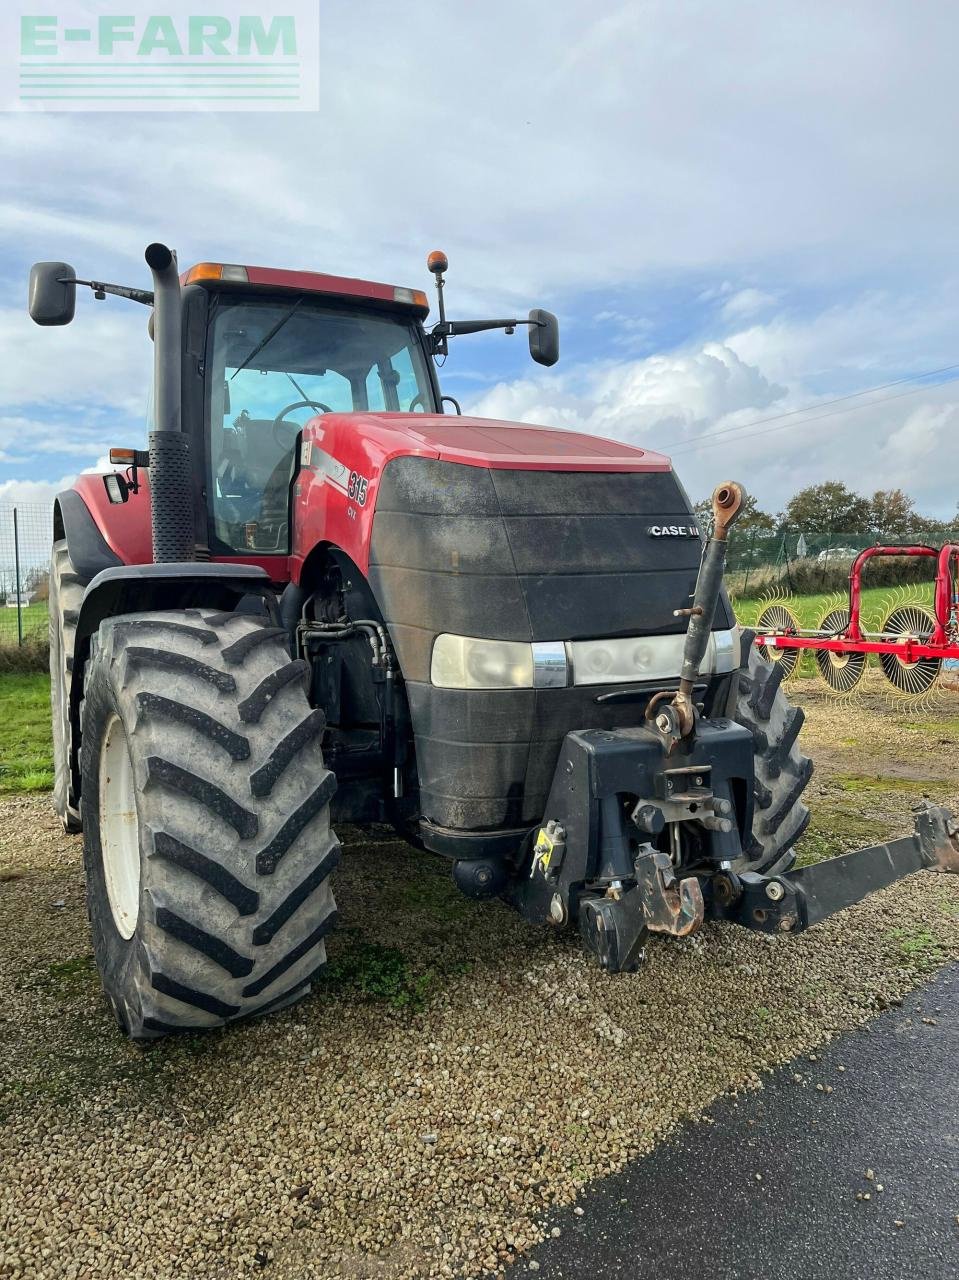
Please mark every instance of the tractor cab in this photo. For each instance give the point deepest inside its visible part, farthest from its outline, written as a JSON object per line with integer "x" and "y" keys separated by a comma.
{"x": 272, "y": 349}
{"x": 273, "y": 361}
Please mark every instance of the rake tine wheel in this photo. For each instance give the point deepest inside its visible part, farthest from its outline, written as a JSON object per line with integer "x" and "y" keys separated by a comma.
{"x": 842, "y": 672}
{"x": 909, "y": 621}
{"x": 777, "y": 616}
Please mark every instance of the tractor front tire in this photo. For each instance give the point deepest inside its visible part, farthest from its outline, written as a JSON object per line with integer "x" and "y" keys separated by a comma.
{"x": 782, "y": 772}
{"x": 66, "y": 596}
{"x": 206, "y": 818}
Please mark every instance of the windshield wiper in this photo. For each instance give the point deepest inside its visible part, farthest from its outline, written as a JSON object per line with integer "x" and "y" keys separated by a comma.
{"x": 267, "y": 338}
{"x": 303, "y": 395}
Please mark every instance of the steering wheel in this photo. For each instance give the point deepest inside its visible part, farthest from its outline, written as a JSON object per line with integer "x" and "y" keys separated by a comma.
{"x": 417, "y": 400}
{"x": 278, "y": 421}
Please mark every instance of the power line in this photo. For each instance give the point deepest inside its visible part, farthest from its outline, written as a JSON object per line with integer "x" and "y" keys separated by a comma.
{"x": 694, "y": 446}
{"x": 822, "y": 404}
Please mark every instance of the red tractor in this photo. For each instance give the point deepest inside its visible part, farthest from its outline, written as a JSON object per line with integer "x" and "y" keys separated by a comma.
{"x": 318, "y": 597}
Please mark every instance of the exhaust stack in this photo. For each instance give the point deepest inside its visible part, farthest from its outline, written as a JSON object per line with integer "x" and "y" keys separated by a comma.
{"x": 171, "y": 478}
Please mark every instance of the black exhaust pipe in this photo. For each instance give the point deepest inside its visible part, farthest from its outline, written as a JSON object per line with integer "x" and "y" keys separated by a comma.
{"x": 171, "y": 473}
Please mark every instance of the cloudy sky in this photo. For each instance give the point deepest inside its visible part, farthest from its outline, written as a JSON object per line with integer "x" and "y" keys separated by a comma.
{"x": 737, "y": 210}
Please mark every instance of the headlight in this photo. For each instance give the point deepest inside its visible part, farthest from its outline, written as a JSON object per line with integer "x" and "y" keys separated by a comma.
{"x": 645, "y": 658}
{"x": 461, "y": 662}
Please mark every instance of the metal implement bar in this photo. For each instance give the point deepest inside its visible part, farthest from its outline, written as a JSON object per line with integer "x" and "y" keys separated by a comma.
{"x": 799, "y": 899}
{"x": 855, "y": 578}
{"x": 833, "y": 885}
{"x": 943, "y": 598}
{"x": 909, "y": 650}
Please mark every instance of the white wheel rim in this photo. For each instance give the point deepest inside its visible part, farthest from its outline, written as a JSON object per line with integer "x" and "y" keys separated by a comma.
{"x": 119, "y": 829}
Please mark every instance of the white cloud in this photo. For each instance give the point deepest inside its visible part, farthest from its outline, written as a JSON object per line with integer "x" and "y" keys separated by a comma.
{"x": 630, "y": 398}
{"x": 33, "y": 491}
{"x": 798, "y": 149}
{"x": 747, "y": 302}
{"x": 27, "y": 439}
{"x": 867, "y": 335}
{"x": 605, "y": 148}
{"x": 104, "y": 359}
{"x": 675, "y": 403}
{"x": 32, "y": 494}
{"x": 924, "y": 445}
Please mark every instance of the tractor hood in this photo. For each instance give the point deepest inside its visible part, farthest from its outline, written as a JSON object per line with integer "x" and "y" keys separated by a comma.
{"x": 529, "y": 554}
{"x": 345, "y": 456}
{"x": 483, "y": 442}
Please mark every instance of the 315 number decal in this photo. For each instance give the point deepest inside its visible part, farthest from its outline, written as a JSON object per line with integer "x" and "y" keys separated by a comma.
{"x": 357, "y": 488}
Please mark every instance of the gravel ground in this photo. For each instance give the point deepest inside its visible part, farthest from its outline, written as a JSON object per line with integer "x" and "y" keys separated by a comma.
{"x": 458, "y": 1075}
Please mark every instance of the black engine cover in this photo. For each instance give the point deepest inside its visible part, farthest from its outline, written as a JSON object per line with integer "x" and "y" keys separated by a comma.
{"x": 518, "y": 555}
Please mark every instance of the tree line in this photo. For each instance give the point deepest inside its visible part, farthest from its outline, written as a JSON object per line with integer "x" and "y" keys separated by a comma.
{"x": 889, "y": 515}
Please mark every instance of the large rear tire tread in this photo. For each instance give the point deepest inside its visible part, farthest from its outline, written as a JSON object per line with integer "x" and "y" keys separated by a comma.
{"x": 234, "y": 893}
{"x": 66, "y": 596}
{"x": 782, "y": 770}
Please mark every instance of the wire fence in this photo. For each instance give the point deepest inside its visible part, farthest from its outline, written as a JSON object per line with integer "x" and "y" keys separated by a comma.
{"x": 763, "y": 560}
{"x": 26, "y": 532}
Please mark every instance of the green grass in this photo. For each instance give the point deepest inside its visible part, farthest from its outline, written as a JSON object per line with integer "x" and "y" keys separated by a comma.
{"x": 883, "y": 784}
{"x": 809, "y": 609}
{"x": 369, "y": 971}
{"x": 834, "y": 830}
{"x": 947, "y": 727}
{"x": 919, "y": 947}
{"x": 34, "y": 618}
{"x": 26, "y": 753}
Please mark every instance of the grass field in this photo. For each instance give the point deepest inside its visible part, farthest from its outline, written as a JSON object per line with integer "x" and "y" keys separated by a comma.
{"x": 26, "y": 762}
{"x": 809, "y": 609}
{"x": 34, "y": 622}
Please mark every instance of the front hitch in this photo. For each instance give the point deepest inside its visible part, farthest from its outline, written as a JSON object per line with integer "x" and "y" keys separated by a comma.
{"x": 615, "y": 926}
{"x": 802, "y": 898}
{"x": 601, "y": 862}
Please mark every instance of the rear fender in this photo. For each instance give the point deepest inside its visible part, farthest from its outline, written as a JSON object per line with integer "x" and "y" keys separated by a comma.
{"x": 132, "y": 588}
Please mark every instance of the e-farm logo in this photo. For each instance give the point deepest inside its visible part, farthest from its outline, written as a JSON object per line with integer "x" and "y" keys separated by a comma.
{"x": 231, "y": 55}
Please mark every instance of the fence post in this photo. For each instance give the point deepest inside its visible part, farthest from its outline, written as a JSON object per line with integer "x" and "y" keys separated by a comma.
{"x": 16, "y": 562}
{"x": 749, "y": 560}
{"x": 784, "y": 553}
{"x": 827, "y": 563}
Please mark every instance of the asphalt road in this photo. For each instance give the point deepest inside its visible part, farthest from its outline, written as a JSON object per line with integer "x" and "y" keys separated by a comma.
{"x": 695, "y": 1207}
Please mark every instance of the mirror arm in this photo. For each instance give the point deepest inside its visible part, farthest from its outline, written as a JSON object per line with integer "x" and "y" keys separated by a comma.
{"x": 453, "y": 328}
{"x": 101, "y": 289}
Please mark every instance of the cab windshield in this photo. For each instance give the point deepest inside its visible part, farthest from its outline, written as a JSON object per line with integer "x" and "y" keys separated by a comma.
{"x": 271, "y": 367}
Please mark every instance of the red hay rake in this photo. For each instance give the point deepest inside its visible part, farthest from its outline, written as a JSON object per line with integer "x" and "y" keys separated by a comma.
{"x": 918, "y": 649}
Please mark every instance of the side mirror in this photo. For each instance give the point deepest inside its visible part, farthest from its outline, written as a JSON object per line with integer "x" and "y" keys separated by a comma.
{"x": 543, "y": 337}
{"x": 53, "y": 293}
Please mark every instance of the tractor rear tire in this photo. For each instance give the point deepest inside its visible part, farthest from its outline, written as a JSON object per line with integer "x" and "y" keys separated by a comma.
{"x": 66, "y": 596}
{"x": 782, "y": 771}
{"x": 206, "y": 817}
